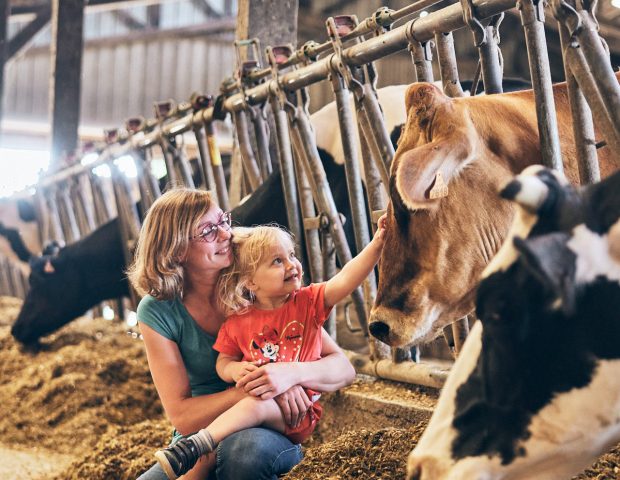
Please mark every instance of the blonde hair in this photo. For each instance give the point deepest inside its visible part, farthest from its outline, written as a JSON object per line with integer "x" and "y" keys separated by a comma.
{"x": 164, "y": 240}
{"x": 250, "y": 247}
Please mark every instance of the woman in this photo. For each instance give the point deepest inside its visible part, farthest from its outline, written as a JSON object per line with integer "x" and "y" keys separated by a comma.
{"x": 183, "y": 246}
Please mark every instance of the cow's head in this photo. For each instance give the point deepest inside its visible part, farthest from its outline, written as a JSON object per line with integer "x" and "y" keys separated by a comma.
{"x": 64, "y": 286}
{"x": 534, "y": 392}
{"x": 53, "y": 299}
{"x": 445, "y": 221}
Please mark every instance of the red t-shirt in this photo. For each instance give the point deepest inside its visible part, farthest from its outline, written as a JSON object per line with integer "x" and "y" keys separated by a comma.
{"x": 290, "y": 333}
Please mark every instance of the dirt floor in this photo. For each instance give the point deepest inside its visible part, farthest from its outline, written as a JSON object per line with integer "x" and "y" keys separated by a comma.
{"x": 83, "y": 407}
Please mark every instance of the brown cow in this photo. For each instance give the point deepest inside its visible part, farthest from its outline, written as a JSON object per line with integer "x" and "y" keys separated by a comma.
{"x": 437, "y": 246}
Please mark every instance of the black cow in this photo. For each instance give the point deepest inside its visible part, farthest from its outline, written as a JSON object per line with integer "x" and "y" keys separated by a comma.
{"x": 535, "y": 393}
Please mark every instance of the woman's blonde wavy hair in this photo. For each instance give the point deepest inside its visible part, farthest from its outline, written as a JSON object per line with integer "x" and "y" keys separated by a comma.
{"x": 250, "y": 247}
{"x": 164, "y": 240}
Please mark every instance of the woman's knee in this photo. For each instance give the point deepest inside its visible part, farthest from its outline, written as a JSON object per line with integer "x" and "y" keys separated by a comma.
{"x": 256, "y": 454}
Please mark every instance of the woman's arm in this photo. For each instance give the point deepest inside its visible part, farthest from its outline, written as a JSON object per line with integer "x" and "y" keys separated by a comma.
{"x": 331, "y": 372}
{"x": 188, "y": 414}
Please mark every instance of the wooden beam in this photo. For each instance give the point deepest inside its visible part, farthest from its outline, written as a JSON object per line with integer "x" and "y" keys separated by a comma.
{"x": 128, "y": 20}
{"x": 205, "y": 7}
{"x": 273, "y": 22}
{"x": 21, "y": 38}
{"x": 217, "y": 30}
{"x": 65, "y": 82}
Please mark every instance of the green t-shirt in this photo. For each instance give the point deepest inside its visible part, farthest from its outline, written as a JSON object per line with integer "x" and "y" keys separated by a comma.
{"x": 171, "y": 319}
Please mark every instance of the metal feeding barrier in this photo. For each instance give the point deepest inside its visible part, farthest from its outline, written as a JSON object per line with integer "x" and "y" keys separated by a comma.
{"x": 269, "y": 101}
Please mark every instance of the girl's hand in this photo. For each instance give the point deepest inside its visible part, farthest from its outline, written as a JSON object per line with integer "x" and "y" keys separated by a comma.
{"x": 380, "y": 232}
{"x": 242, "y": 369}
{"x": 270, "y": 380}
{"x": 294, "y": 404}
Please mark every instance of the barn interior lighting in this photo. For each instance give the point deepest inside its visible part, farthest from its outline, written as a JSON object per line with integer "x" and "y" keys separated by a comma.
{"x": 31, "y": 164}
{"x": 423, "y": 13}
{"x": 125, "y": 164}
{"x": 615, "y": 3}
{"x": 132, "y": 319}
{"x": 108, "y": 313}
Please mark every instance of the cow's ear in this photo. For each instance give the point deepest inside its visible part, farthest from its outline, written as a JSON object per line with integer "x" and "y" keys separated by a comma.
{"x": 552, "y": 263}
{"x": 423, "y": 174}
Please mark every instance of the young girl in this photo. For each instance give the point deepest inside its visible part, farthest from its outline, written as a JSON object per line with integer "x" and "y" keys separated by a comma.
{"x": 272, "y": 319}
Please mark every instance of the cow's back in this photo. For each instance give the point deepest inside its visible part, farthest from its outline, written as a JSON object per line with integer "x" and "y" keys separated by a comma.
{"x": 509, "y": 122}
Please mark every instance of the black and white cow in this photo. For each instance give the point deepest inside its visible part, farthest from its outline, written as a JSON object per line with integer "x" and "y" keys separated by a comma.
{"x": 535, "y": 392}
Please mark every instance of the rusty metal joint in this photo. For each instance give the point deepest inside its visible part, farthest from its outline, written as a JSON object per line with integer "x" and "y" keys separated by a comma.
{"x": 472, "y": 21}
{"x": 567, "y": 14}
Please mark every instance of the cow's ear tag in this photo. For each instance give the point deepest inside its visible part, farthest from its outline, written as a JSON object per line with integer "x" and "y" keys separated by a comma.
{"x": 440, "y": 189}
{"x": 48, "y": 267}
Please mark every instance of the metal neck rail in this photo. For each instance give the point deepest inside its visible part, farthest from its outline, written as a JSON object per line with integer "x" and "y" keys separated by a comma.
{"x": 419, "y": 30}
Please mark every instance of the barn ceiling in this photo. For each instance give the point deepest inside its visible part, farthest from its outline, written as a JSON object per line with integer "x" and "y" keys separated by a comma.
{"x": 312, "y": 24}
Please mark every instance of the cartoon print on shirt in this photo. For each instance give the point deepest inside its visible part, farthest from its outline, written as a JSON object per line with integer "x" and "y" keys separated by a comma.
{"x": 268, "y": 346}
{"x": 267, "y": 342}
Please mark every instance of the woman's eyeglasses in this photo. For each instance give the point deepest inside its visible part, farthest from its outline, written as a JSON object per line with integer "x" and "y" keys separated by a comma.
{"x": 210, "y": 230}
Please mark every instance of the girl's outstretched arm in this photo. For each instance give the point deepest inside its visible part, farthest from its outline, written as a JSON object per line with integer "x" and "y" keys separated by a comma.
{"x": 357, "y": 269}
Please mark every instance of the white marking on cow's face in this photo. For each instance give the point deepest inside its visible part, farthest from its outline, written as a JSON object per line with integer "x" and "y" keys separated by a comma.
{"x": 594, "y": 257}
{"x": 432, "y": 452}
{"x": 521, "y": 226}
{"x": 533, "y": 193}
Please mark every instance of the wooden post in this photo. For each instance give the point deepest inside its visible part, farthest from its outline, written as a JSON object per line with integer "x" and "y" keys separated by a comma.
{"x": 65, "y": 83}
{"x": 273, "y": 22}
{"x": 5, "y": 12}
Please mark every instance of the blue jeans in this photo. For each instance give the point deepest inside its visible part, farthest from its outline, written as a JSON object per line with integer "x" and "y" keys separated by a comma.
{"x": 252, "y": 454}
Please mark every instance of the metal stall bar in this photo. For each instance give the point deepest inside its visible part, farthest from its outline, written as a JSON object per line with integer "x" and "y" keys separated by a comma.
{"x": 128, "y": 221}
{"x": 589, "y": 63}
{"x": 303, "y": 137}
{"x": 56, "y": 232}
{"x": 199, "y": 102}
{"x": 84, "y": 215}
{"x": 486, "y": 40}
{"x": 250, "y": 167}
{"x": 288, "y": 172}
{"x": 259, "y": 121}
{"x": 216, "y": 165}
{"x": 583, "y": 128}
{"x": 67, "y": 214}
{"x": 147, "y": 183}
{"x": 587, "y": 83}
{"x": 103, "y": 211}
{"x": 5, "y": 287}
{"x": 422, "y": 56}
{"x": 597, "y": 58}
{"x": 533, "y": 20}
{"x": 372, "y": 128}
{"x": 448, "y": 70}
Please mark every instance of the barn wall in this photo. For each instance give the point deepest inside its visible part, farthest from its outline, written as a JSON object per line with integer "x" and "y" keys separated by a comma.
{"x": 122, "y": 80}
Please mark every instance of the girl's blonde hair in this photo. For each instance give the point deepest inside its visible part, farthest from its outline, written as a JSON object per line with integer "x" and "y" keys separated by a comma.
{"x": 250, "y": 247}
{"x": 164, "y": 240}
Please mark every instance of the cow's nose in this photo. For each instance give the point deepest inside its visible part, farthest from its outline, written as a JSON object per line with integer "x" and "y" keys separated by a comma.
{"x": 379, "y": 330}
